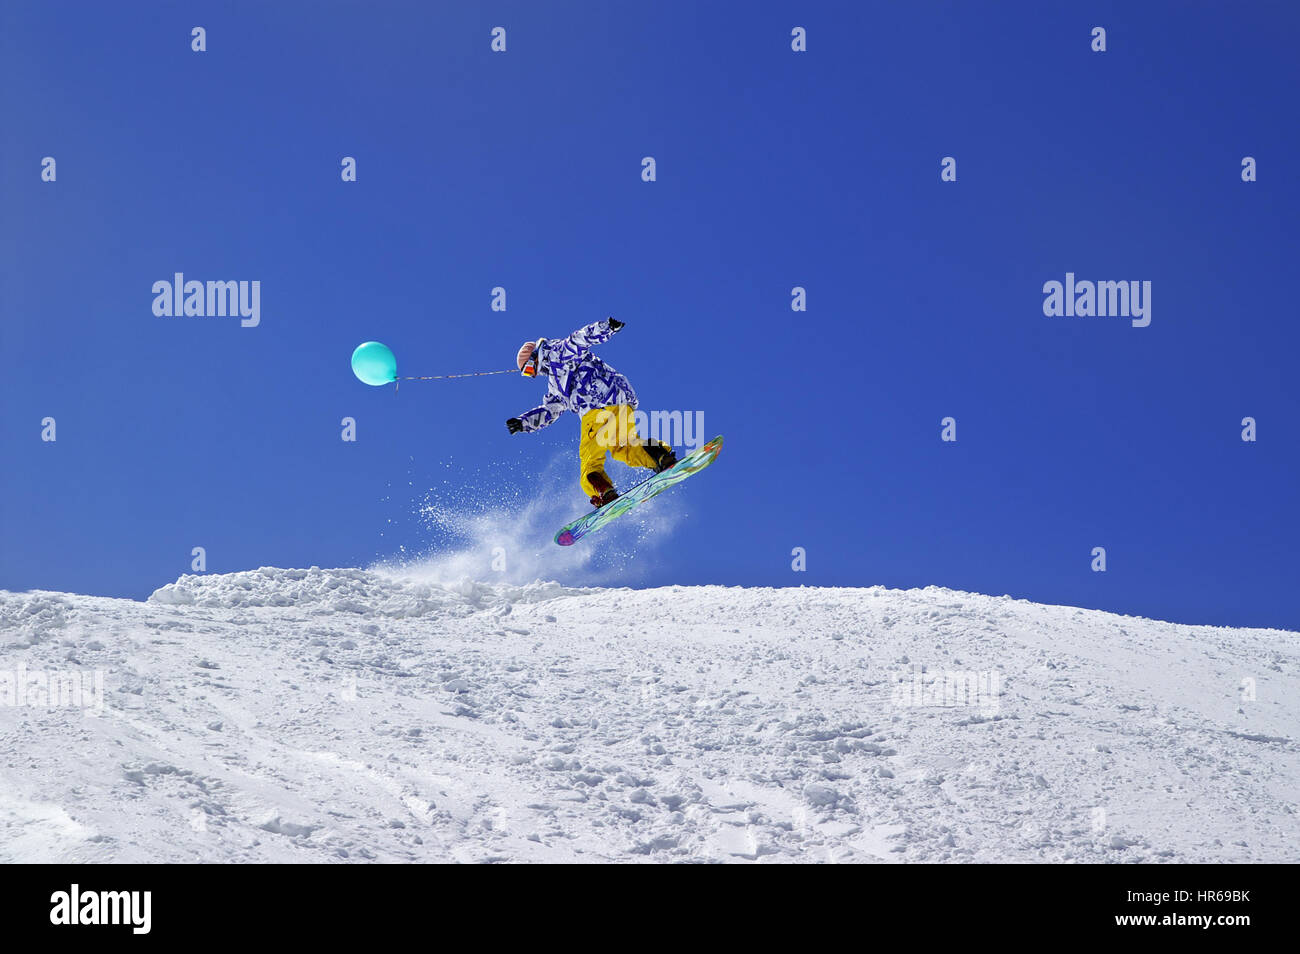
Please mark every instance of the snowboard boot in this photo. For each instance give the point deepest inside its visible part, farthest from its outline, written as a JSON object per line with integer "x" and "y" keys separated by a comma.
{"x": 605, "y": 492}
{"x": 663, "y": 456}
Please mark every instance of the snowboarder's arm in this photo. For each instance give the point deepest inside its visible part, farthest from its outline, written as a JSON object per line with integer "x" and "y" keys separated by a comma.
{"x": 547, "y": 413}
{"x": 582, "y": 340}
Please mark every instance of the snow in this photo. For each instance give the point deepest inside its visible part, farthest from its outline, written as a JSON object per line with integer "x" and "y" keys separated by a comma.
{"x": 351, "y": 715}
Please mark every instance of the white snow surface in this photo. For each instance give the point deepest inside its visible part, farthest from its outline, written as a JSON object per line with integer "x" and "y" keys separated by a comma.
{"x": 362, "y": 715}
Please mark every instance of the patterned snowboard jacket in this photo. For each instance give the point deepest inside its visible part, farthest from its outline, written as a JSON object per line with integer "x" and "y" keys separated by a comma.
{"x": 577, "y": 380}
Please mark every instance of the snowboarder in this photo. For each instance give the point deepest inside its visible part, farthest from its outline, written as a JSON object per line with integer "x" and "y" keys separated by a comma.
{"x": 579, "y": 381}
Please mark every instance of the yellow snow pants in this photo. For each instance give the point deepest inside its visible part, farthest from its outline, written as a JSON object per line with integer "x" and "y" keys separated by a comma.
{"x": 610, "y": 430}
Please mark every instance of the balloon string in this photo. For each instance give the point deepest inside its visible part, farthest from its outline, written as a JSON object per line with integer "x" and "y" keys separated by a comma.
{"x": 442, "y": 377}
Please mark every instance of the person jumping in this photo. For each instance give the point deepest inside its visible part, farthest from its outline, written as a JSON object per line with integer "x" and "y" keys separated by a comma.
{"x": 579, "y": 381}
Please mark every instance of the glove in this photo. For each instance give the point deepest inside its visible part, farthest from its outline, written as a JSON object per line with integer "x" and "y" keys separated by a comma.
{"x": 615, "y": 324}
{"x": 515, "y": 425}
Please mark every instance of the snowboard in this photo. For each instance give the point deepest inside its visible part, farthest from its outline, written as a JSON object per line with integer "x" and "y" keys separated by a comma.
{"x": 652, "y": 486}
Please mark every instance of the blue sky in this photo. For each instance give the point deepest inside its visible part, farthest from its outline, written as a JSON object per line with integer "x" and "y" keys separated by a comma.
{"x": 775, "y": 169}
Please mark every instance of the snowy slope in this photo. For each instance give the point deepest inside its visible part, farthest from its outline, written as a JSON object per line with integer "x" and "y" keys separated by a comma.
{"x": 350, "y": 715}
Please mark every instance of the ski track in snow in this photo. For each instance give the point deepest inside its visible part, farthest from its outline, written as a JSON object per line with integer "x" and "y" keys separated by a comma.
{"x": 357, "y": 716}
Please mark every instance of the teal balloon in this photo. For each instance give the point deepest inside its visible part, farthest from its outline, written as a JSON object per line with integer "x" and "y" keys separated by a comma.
{"x": 374, "y": 364}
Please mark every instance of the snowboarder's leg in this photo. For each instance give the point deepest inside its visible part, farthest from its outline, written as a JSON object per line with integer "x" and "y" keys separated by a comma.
{"x": 635, "y": 450}
{"x": 596, "y": 426}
